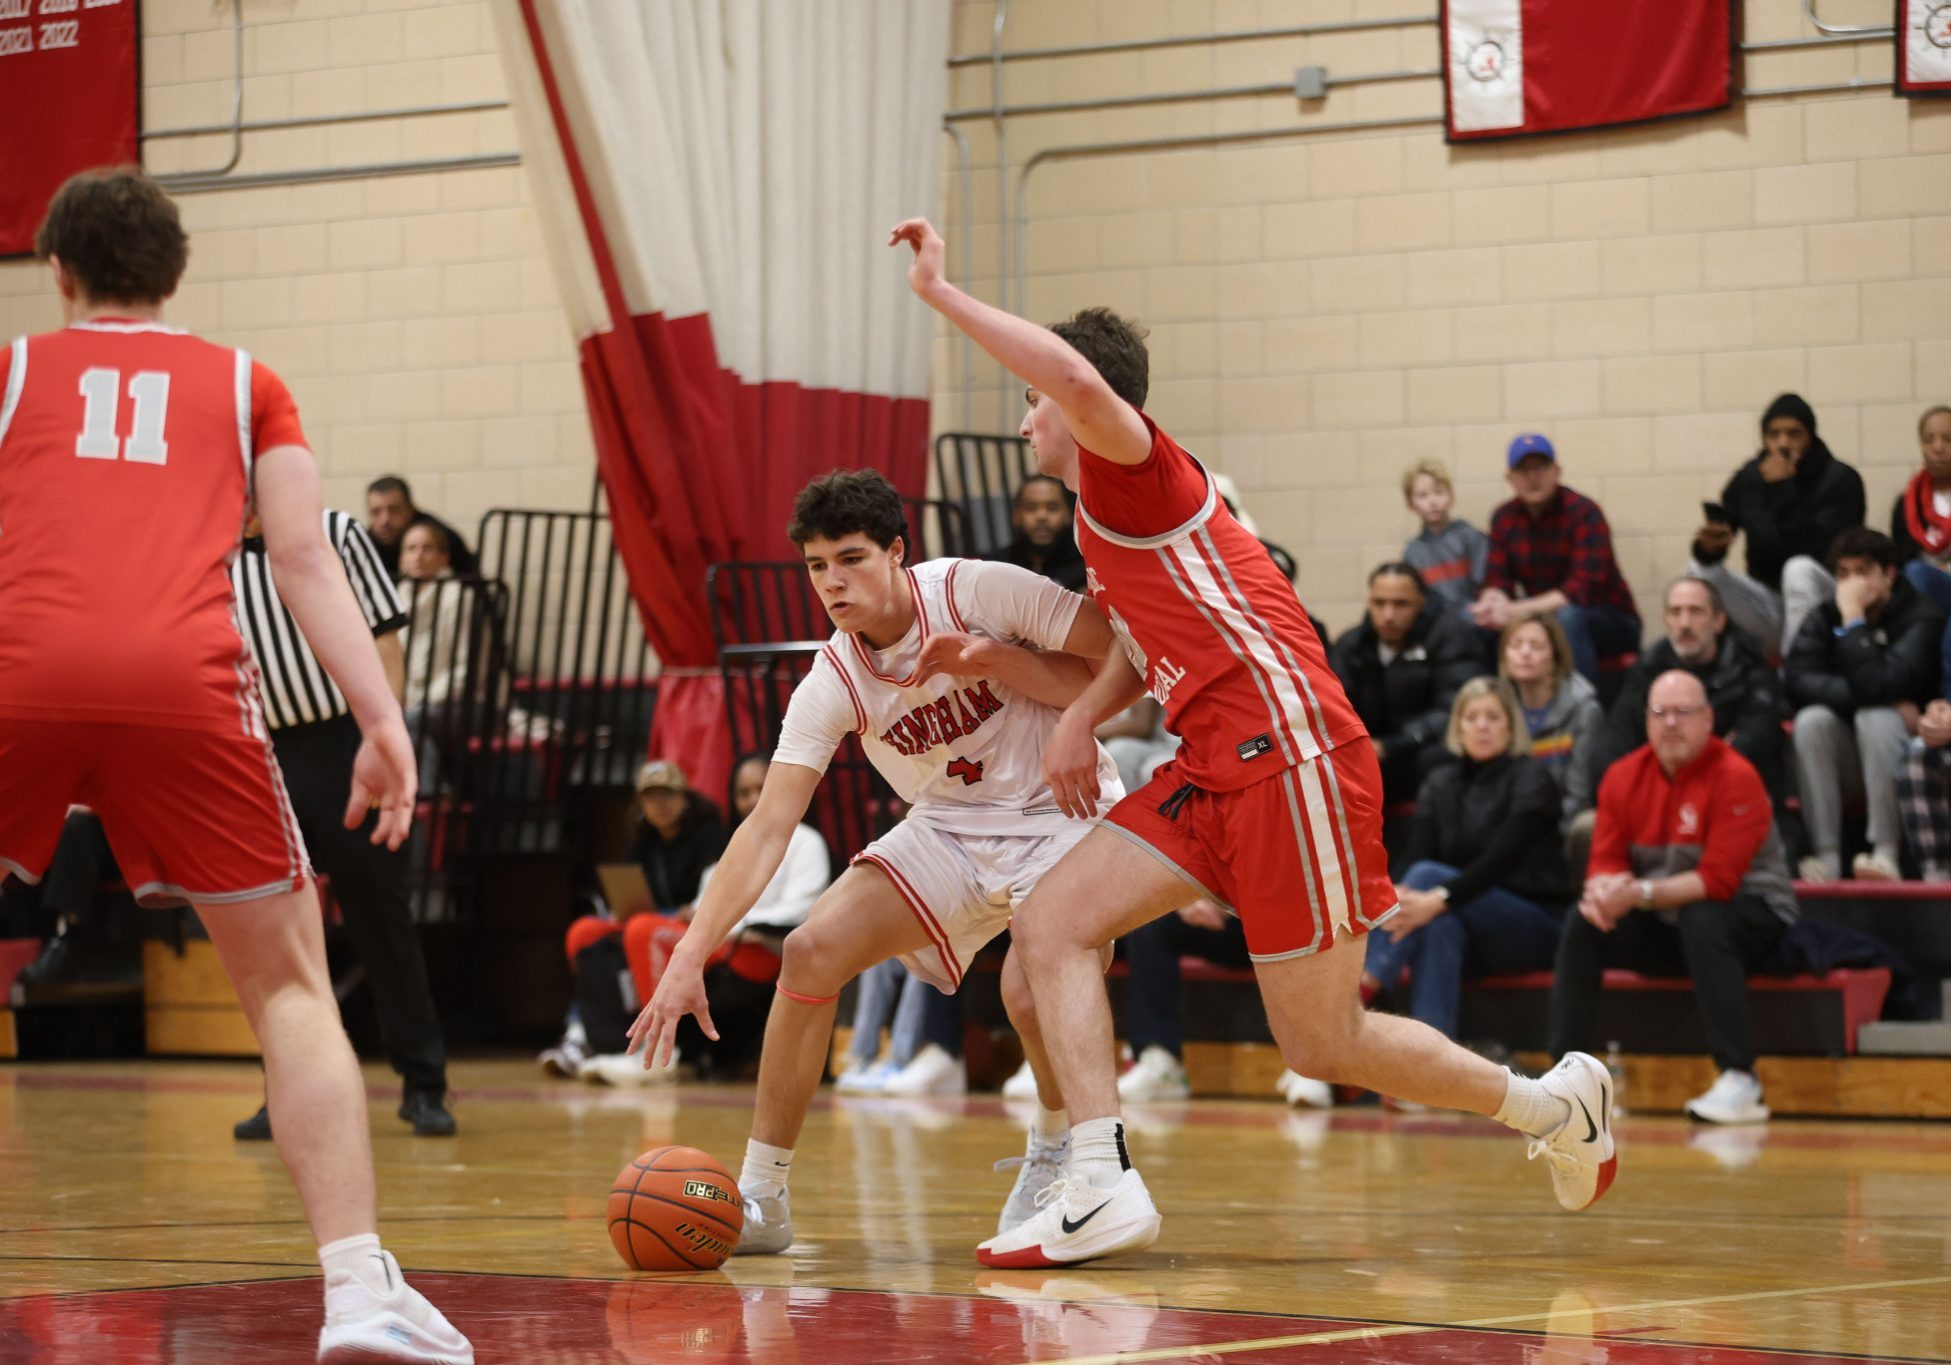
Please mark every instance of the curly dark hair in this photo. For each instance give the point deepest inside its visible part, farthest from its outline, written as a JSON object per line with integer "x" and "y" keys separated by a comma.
{"x": 1115, "y": 347}
{"x": 117, "y": 234}
{"x": 845, "y": 501}
{"x": 1860, "y": 542}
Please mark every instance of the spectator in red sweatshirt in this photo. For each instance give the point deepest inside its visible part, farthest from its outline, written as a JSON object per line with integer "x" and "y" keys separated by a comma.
{"x": 1685, "y": 834}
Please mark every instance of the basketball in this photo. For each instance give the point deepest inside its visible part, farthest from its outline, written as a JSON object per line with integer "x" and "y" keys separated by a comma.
{"x": 675, "y": 1208}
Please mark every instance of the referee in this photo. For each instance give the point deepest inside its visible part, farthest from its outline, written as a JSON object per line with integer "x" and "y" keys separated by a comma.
{"x": 316, "y": 738}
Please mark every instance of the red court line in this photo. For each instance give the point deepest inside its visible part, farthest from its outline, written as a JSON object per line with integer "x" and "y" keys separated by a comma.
{"x": 1012, "y": 1317}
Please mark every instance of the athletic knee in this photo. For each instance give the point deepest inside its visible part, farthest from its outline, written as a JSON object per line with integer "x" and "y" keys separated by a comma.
{"x": 810, "y": 960}
{"x": 1018, "y": 1003}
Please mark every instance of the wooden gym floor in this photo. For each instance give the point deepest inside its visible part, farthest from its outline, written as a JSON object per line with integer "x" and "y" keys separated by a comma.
{"x": 132, "y": 1228}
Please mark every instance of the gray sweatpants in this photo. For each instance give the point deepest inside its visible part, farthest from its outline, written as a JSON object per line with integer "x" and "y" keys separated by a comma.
{"x": 1839, "y": 761}
{"x": 1771, "y": 619}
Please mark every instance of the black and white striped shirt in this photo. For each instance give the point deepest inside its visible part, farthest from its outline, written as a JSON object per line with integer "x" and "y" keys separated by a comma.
{"x": 296, "y": 689}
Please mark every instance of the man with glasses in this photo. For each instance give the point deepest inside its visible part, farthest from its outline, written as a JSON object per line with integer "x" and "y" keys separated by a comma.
{"x": 1688, "y": 877}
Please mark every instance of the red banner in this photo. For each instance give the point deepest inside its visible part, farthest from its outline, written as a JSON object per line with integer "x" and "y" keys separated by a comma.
{"x": 1514, "y": 67}
{"x": 1923, "y": 47}
{"x": 70, "y": 85}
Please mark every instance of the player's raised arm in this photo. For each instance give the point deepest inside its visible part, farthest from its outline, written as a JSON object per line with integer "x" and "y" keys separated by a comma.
{"x": 751, "y": 858}
{"x": 1054, "y": 677}
{"x": 1101, "y": 421}
{"x": 311, "y": 579}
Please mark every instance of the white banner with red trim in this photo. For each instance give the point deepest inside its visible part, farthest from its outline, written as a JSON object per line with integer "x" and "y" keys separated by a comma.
{"x": 1924, "y": 47}
{"x": 1516, "y": 67}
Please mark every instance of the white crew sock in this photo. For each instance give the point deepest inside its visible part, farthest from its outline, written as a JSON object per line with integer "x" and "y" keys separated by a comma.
{"x": 1530, "y": 1108}
{"x": 361, "y": 1258}
{"x": 1097, "y": 1152}
{"x": 766, "y": 1169}
{"x": 1050, "y": 1127}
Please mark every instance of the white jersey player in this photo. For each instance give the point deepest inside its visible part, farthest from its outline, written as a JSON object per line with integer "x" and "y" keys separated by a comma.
{"x": 953, "y": 674}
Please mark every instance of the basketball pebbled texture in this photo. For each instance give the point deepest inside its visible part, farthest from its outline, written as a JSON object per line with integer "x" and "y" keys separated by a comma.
{"x": 675, "y": 1208}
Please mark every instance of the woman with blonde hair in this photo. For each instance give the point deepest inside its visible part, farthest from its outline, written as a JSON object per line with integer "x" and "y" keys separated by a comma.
{"x": 1487, "y": 883}
{"x": 1559, "y": 708}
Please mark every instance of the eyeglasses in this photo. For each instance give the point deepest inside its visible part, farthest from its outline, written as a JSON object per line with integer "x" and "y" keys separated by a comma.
{"x": 1673, "y": 712}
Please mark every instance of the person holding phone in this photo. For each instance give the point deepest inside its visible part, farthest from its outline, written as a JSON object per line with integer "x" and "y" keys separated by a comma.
{"x": 1791, "y": 501}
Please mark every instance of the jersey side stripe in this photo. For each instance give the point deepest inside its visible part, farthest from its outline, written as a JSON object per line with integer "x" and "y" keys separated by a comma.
{"x": 16, "y": 379}
{"x": 1331, "y": 859}
{"x": 1296, "y": 713}
{"x": 948, "y": 596}
{"x": 860, "y": 712}
{"x": 1206, "y": 598}
{"x": 1316, "y": 721}
{"x": 921, "y": 912}
{"x": 1309, "y": 863}
{"x": 1332, "y": 780}
{"x": 243, "y": 380}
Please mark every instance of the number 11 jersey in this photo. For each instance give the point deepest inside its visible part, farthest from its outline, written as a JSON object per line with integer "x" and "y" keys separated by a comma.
{"x": 126, "y": 452}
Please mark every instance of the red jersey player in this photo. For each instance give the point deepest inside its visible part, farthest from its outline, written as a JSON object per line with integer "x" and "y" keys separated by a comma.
{"x": 129, "y": 455}
{"x": 1272, "y": 805}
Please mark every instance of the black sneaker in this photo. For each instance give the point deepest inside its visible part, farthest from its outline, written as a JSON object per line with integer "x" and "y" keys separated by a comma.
{"x": 429, "y": 1117}
{"x": 59, "y": 961}
{"x": 256, "y": 1128}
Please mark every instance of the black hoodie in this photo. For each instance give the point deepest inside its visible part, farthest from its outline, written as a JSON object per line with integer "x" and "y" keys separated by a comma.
{"x": 1798, "y": 516}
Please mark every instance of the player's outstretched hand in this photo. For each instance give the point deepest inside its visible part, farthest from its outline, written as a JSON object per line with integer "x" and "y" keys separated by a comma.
{"x": 680, "y": 991}
{"x": 960, "y": 655}
{"x": 927, "y": 270}
{"x": 1070, "y": 767}
{"x": 384, "y": 778}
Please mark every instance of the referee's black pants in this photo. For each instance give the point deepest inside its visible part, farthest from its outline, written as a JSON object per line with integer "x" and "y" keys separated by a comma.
{"x": 371, "y": 884}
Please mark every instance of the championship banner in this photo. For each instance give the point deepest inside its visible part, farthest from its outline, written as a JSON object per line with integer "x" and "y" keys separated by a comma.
{"x": 1516, "y": 67}
{"x": 1924, "y": 47}
{"x": 70, "y": 86}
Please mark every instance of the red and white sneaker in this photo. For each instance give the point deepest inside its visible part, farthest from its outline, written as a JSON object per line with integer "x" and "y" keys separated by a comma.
{"x": 1580, "y": 1151}
{"x": 1077, "y": 1222}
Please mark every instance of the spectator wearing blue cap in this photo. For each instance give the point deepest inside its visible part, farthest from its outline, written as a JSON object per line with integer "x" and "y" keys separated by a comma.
{"x": 1551, "y": 554}
{"x": 1791, "y": 501}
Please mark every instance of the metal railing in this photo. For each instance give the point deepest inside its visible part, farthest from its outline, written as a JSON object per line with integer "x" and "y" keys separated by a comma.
{"x": 529, "y": 687}
{"x": 978, "y": 475}
{"x": 770, "y": 628}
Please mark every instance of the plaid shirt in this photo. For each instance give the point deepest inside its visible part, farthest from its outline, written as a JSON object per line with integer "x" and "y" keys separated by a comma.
{"x": 1569, "y": 548}
{"x": 1924, "y": 791}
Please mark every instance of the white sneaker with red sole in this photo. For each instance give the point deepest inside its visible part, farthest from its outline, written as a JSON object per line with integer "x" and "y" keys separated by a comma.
{"x": 1580, "y": 1151}
{"x": 1077, "y": 1222}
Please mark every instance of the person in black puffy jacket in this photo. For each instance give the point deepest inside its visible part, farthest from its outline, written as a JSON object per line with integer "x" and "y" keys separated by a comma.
{"x": 1791, "y": 501}
{"x": 1402, "y": 667}
{"x": 1862, "y": 668}
{"x": 1487, "y": 884}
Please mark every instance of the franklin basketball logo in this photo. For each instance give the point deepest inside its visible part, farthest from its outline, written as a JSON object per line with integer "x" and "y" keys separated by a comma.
{"x": 704, "y": 1189}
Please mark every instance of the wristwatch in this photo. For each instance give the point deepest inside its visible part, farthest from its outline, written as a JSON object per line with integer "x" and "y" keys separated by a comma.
{"x": 1645, "y": 893}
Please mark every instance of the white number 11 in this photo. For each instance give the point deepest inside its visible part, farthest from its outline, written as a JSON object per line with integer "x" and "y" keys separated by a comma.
{"x": 101, "y": 392}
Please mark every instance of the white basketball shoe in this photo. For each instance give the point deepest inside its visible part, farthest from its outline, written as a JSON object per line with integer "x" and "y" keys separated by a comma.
{"x": 1579, "y": 1151}
{"x": 361, "y": 1325}
{"x": 1040, "y": 1166}
{"x": 1077, "y": 1222}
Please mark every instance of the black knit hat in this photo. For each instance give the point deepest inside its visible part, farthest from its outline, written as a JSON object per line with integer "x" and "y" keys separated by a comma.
{"x": 1790, "y": 405}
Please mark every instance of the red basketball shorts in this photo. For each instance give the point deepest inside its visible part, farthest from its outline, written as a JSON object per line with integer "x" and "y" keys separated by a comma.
{"x": 1297, "y": 856}
{"x": 192, "y": 815}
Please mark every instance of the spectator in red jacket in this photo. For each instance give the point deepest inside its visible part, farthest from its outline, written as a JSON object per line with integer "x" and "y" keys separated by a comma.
{"x": 1685, "y": 833}
{"x": 1551, "y": 554}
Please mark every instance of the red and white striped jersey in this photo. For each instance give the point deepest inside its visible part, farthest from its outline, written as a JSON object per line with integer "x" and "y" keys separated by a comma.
{"x": 1208, "y": 620}
{"x": 966, "y": 754}
{"x": 126, "y": 454}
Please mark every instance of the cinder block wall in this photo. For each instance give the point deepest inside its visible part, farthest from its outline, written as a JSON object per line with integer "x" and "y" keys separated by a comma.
{"x": 1327, "y": 308}
{"x": 414, "y": 317}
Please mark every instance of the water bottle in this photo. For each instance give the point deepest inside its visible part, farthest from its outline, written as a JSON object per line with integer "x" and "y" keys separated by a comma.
{"x": 1616, "y": 1067}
